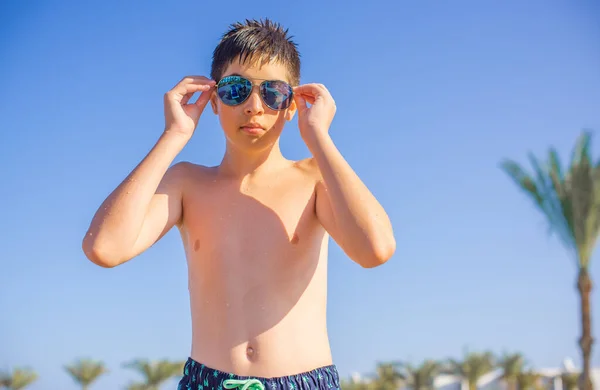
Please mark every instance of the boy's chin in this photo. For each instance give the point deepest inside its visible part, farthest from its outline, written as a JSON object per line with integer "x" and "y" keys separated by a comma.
{"x": 243, "y": 140}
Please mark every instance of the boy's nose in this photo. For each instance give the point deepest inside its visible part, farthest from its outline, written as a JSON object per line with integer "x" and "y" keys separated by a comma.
{"x": 254, "y": 104}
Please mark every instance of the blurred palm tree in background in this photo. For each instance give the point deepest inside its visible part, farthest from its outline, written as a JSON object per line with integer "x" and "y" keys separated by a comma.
{"x": 569, "y": 380}
{"x": 528, "y": 380}
{"x": 473, "y": 366}
{"x": 85, "y": 372}
{"x": 421, "y": 377}
{"x": 19, "y": 379}
{"x": 512, "y": 365}
{"x": 154, "y": 373}
{"x": 570, "y": 201}
{"x": 387, "y": 377}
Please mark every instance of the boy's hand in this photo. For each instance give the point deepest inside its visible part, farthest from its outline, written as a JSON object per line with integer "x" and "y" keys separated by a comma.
{"x": 314, "y": 121}
{"x": 180, "y": 117}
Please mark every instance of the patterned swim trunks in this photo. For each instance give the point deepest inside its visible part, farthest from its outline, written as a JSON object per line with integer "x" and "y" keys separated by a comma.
{"x": 197, "y": 376}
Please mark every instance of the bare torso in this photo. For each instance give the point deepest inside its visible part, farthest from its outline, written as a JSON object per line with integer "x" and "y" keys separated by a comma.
{"x": 257, "y": 262}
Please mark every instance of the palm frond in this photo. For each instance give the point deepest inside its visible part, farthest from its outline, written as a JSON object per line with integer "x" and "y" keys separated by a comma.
{"x": 420, "y": 377}
{"x": 537, "y": 191}
{"x": 472, "y": 367}
{"x": 86, "y": 371}
{"x": 387, "y": 376}
{"x": 569, "y": 199}
{"x": 569, "y": 380}
{"x": 512, "y": 365}
{"x": 157, "y": 372}
{"x": 18, "y": 379}
{"x": 527, "y": 380}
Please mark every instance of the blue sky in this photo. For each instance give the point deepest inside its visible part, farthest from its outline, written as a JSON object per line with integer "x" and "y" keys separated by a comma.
{"x": 431, "y": 95}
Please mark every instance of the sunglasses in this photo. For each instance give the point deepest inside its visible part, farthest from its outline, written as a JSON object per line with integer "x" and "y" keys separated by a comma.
{"x": 234, "y": 90}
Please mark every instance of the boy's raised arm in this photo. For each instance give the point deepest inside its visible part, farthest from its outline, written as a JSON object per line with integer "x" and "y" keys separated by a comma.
{"x": 344, "y": 205}
{"x": 147, "y": 204}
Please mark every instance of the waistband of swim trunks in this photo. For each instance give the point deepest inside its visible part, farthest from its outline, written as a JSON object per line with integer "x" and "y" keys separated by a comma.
{"x": 326, "y": 377}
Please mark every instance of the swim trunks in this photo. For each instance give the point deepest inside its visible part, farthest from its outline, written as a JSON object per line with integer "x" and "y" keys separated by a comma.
{"x": 197, "y": 376}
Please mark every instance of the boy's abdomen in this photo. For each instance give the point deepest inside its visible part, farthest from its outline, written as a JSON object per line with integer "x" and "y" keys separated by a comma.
{"x": 258, "y": 319}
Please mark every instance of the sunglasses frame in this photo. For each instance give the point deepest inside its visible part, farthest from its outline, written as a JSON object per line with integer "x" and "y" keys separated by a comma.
{"x": 252, "y": 85}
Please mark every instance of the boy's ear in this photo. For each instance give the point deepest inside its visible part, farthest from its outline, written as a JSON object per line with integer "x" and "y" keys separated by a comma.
{"x": 289, "y": 115}
{"x": 213, "y": 103}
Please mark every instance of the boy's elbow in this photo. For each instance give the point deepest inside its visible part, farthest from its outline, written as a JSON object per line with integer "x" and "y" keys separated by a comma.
{"x": 379, "y": 254}
{"x": 97, "y": 255}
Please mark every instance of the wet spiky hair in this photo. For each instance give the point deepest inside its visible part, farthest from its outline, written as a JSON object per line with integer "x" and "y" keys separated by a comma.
{"x": 258, "y": 42}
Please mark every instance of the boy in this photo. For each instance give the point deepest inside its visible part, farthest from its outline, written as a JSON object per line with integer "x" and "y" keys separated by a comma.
{"x": 255, "y": 228}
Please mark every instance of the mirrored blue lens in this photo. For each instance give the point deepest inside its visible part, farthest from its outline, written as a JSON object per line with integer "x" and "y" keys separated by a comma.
{"x": 233, "y": 90}
{"x": 276, "y": 94}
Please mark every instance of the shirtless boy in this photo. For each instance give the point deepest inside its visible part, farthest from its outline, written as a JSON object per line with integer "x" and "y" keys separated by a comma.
{"x": 256, "y": 227}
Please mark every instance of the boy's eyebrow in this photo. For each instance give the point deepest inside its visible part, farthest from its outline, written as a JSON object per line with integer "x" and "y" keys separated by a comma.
{"x": 233, "y": 74}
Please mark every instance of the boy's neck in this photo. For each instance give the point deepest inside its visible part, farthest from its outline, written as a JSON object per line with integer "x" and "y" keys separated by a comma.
{"x": 240, "y": 163}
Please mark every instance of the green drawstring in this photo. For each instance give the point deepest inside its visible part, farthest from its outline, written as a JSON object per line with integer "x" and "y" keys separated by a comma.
{"x": 247, "y": 384}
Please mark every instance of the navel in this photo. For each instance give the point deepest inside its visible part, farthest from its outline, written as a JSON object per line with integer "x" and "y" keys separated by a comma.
{"x": 196, "y": 245}
{"x": 250, "y": 353}
{"x": 295, "y": 239}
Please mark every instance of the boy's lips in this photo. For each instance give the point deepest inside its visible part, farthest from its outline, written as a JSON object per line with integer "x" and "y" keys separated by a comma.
{"x": 252, "y": 128}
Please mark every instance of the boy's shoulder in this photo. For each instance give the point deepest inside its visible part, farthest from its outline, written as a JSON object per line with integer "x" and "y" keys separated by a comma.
{"x": 187, "y": 169}
{"x": 308, "y": 166}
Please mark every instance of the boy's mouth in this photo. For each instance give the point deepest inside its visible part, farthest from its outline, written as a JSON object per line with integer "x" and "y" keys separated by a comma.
{"x": 252, "y": 128}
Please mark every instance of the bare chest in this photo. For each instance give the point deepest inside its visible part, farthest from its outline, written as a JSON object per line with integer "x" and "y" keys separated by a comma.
{"x": 252, "y": 226}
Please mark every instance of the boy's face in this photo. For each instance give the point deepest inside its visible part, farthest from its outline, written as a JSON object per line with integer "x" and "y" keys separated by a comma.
{"x": 239, "y": 122}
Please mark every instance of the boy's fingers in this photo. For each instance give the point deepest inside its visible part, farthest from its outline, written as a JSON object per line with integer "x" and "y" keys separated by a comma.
{"x": 186, "y": 98}
{"x": 300, "y": 103}
{"x": 311, "y": 89}
{"x": 306, "y": 89}
{"x": 309, "y": 99}
{"x": 191, "y": 84}
{"x": 194, "y": 79}
{"x": 202, "y": 100}
{"x": 189, "y": 89}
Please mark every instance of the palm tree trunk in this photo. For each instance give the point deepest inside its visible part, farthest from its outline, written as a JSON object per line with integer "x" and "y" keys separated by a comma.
{"x": 584, "y": 286}
{"x": 472, "y": 385}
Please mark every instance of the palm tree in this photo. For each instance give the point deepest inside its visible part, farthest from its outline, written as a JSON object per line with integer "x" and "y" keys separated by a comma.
{"x": 528, "y": 380}
{"x": 86, "y": 371}
{"x": 155, "y": 373}
{"x": 512, "y": 366}
{"x": 387, "y": 377}
{"x": 571, "y": 203}
{"x": 421, "y": 377}
{"x": 473, "y": 366}
{"x": 569, "y": 380}
{"x": 19, "y": 379}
